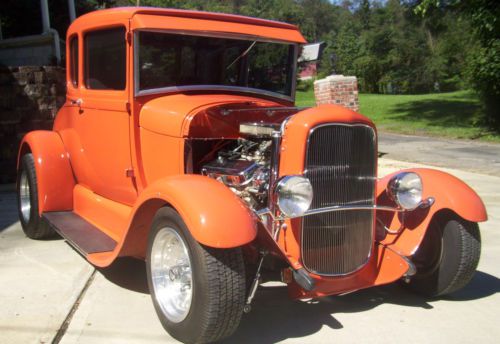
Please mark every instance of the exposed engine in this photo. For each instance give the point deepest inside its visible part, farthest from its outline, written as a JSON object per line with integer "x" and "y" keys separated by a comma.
{"x": 245, "y": 167}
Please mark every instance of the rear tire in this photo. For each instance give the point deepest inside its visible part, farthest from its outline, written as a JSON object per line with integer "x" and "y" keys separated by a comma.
{"x": 447, "y": 258}
{"x": 27, "y": 201}
{"x": 216, "y": 278}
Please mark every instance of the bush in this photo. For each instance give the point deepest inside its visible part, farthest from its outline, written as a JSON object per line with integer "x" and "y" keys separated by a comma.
{"x": 484, "y": 75}
{"x": 305, "y": 85}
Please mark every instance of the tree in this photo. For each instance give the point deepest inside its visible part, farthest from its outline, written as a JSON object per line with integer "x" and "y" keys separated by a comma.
{"x": 484, "y": 62}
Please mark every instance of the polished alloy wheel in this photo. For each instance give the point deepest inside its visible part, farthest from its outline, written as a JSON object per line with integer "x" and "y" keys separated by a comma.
{"x": 171, "y": 274}
{"x": 24, "y": 196}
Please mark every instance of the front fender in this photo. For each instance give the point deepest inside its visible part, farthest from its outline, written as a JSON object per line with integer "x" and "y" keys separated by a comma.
{"x": 449, "y": 192}
{"x": 214, "y": 215}
{"x": 53, "y": 170}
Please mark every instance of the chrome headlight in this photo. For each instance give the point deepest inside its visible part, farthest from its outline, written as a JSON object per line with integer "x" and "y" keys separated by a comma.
{"x": 294, "y": 195}
{"x": 405, "y": 189}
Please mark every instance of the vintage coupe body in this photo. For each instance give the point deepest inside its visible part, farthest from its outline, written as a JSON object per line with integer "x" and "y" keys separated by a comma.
{"x": 180, "y": 144}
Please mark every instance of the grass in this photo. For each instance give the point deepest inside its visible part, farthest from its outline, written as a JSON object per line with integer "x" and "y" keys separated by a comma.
{"x": 452, "y": 115}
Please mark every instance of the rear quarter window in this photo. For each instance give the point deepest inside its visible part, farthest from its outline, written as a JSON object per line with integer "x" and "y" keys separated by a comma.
{"x": 73, "y": 60}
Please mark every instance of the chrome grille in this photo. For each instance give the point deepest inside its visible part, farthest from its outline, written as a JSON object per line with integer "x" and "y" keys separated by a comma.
{"x": 341, "y": 165}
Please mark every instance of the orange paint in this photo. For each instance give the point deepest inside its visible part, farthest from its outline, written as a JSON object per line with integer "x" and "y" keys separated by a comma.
{"x": 449, "y": 193}
{"x": 166, "y": 22}
{"x": 115, "y": 158}
{"x": 384, "y": 267}
{"x": 215, "y": 216}
{"x": 53, "y": 170}
{"x": 295, "y": 136}
{"x": 110, "y": 217}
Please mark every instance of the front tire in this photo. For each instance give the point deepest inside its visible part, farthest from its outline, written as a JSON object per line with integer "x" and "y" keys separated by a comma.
{"x": 447, "y": 258}
{"x": 198, "y": 292}
{"x": 27, "y": 200}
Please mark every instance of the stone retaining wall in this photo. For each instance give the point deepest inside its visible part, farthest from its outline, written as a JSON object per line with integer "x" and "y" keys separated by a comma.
{"x": 337, "y": 89}
{"x": 29, "y": 99}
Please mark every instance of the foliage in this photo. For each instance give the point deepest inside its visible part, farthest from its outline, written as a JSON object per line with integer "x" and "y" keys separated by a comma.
{"x": 483, "y": 64}
{"x": 392, "y": 46}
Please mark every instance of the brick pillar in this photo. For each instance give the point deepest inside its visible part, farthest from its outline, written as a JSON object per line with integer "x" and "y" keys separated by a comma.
{"x": 337, "y": 89}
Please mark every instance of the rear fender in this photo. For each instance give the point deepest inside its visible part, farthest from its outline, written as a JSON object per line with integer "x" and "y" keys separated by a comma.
{"x": 450, "y": 194}
{"x": 214, "y": 215}
{"x": 54, "y": 174}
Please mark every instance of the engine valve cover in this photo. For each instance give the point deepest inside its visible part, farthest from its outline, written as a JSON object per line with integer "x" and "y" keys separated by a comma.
{"x": 231, "y": 172}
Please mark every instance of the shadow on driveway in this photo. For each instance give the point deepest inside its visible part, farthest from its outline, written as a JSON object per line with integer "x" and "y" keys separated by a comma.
{"x": 274, "y": 317}
{"x": 128, "y": 273}
{"x": 8, "y": 209}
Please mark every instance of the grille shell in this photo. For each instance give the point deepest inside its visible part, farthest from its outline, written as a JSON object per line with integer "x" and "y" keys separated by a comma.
{"x": 341, "y": 165}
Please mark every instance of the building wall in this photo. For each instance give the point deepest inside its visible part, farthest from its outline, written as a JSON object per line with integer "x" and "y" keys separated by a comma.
{"x": 309, "y": 71}
{"x": 29, "y": 99}
{"x": 337, "y": 89}
{"x": 27, "y": 51}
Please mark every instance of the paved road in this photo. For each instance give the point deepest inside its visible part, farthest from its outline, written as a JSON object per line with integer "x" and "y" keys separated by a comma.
{"x": 46, "y": 286}
{"x": 463, "y": 155}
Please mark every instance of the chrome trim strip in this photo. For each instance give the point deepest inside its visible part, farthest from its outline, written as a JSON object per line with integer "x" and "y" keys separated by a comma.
{"x": 354, "y": 207}
{"x": 294, "y": 63}
{"x": 136, "y": 62}
{"x": 266, "y": 211}
{"x": 274, "y": 167}
{"x": 271, "y": 109}
{"x": 373, "y": 207}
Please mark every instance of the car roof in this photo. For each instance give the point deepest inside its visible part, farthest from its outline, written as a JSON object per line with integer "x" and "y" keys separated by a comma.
{"x": 144, "y": 18}
{"x": 128, "y": 12}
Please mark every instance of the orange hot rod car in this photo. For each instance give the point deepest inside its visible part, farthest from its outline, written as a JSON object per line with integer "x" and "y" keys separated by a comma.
{"x": 180, "y": 144}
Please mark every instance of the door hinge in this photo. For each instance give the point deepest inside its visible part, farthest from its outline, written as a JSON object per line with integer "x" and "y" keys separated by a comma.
{"x": 128, "y": 107}
{"x": 128, "y": 37}
{"x": 129, "y": 173}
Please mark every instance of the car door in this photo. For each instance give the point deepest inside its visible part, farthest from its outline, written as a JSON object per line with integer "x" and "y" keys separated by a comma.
{"x": 100, "y": 136}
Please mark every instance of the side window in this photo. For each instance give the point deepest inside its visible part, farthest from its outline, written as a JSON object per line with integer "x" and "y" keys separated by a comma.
{"x": 105, "y": 59}
{"x": 73, "y": 60}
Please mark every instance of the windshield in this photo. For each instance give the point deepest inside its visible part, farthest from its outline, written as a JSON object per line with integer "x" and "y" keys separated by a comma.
{"x": 168, "y": 60}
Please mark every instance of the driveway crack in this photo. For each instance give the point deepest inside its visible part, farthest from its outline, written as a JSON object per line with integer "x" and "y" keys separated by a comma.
{"x": 64, "y": 326}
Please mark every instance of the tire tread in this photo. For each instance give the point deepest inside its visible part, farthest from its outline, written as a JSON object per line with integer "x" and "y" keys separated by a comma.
{"x": 37, "y": 228}
{"x": 470, "y": 251}
{"x": 459, "y": 260}
{"x": 227, "y": 295}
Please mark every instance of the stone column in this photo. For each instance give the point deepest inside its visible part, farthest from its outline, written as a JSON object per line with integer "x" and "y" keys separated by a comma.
{"x": 339, "y": 90}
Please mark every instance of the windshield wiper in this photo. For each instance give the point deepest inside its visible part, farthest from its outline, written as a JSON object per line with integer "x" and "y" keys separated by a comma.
{"x": 243, "y": 54}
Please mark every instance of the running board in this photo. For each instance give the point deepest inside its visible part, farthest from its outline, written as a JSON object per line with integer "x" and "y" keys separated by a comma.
{"x": 84, "y": 236}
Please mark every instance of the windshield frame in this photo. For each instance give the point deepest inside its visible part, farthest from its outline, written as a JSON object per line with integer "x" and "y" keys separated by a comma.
{"x": 239, "y": 89}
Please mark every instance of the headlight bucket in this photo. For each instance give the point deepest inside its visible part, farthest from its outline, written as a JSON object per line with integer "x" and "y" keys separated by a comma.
{"x": 405, "y": 189}
{"x": 294, "y": 195}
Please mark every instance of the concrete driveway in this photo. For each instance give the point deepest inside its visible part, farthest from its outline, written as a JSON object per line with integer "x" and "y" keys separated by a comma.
{"x": 464, "y": 155}
{"x": 49, "y": 293}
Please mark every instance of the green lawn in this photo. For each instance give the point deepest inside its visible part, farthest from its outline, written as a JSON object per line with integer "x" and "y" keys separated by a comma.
{"x": 450, "y": 115}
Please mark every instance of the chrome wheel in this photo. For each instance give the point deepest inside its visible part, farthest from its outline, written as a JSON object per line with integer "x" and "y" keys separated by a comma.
{"x": 171, "y": 274}
{"x": 24, "y": 196}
